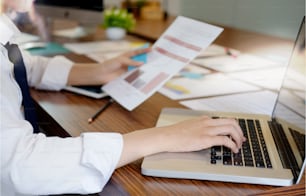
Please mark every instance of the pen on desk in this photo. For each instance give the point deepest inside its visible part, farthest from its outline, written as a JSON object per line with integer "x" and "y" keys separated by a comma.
{"x": 104, "y": 107}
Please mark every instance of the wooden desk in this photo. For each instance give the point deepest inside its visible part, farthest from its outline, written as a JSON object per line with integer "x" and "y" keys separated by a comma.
{"x": 66, "y": 114}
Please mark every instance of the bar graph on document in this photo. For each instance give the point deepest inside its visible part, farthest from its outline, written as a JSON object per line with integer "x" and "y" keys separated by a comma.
{"x": 144, "y": 84}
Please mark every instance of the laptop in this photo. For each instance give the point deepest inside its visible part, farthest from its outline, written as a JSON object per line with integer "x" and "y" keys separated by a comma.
{"x": 274, "y": 153}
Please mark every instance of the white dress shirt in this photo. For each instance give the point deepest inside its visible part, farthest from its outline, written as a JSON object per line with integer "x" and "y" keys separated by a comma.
{"x": 33, "y": 164}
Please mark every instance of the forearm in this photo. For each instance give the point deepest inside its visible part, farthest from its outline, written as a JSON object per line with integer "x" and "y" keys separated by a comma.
{"x": 138, "y": 144}
{"x": 84, "y": 74}
{"x": 191, "y": 135}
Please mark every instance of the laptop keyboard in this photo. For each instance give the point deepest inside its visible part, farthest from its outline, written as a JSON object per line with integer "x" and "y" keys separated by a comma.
{"x": 253, "y": 153}
{"x": 299, "y": 139}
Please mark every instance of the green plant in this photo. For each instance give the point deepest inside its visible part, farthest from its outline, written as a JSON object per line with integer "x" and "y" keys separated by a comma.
{"x": 118, "y": 18}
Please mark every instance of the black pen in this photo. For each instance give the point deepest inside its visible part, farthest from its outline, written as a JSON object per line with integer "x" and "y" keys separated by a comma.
{"x": 104, "y": 107}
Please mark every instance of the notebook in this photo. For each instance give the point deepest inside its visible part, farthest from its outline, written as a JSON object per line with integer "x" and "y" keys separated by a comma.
{"x": 93, "y": 91}
{"x": 274, "y": 153}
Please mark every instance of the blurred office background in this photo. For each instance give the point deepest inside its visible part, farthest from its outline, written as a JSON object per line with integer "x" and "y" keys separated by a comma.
{"x": 279, "y": 18}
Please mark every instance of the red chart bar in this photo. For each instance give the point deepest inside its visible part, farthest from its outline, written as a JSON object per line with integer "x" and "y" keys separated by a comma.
{"x": 154, "y": 82}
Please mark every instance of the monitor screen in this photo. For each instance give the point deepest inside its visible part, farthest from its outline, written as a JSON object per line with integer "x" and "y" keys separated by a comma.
{"x": 85, "y": 12}
{"x": 77, "y": 4}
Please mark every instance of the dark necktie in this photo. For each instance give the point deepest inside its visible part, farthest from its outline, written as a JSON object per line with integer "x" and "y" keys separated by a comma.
{"x": 21, "y": 78}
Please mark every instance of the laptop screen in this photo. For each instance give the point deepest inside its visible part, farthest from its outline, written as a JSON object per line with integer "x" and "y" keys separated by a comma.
{"x": 291, "y": 100}
{"x": 290, "y": 106}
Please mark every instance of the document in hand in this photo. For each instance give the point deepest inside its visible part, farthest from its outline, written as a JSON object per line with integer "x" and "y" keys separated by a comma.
{"x": 177, "y": 46}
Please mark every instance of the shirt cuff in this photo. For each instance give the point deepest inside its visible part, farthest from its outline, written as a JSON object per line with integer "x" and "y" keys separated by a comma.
{"x": 56, "y": 74}
{"x": 102, "y": 146}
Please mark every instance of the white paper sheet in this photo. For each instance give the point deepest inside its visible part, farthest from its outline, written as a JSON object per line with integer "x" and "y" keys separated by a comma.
{"x": 270, "y": 78}
{"x": 103, "y": 55}
{"x": 25, "y": 38}
{"x": 261, "y": 102}
{"x": 178, "y": 45}
{"x": 209, "y": 85}
{"x": 241, "y": 62}
{"x": 101, "y": 51}
{"x": 98, "y": 46}
{"x": 192, "y": 71}
{"x": 215, "y": 50}
{"x": 75, "y": 32}
{"x": 100, "y": 57}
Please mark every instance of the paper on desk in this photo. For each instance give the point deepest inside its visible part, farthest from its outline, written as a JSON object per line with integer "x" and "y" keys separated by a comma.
{"x": 101, "y": 51}
{"x": 100, "y": 57}
{"x": 228, "y": 63}
{"x": 98, "y": 46}
{"x": 177, "y": 46}
{"x": 73, "y": 33}
{"x": 260, "y": 102}
{"x": 103, "y": 56}
{"x": 25, "y": 38}
{"x": 209, "y": 85}
{"x": 193, "y": 72}
{"x": 215, "y": 50}
{"x": 270, "y": 78}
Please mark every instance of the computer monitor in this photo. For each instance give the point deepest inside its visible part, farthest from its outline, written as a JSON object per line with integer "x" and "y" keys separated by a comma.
{"x": 87, "y": 13}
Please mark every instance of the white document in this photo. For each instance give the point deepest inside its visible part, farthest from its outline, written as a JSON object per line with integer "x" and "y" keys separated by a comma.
{"x": 115, "y": 50}
{"x": 101, "y": 51}
{"x": 241, "y": 62}
{"x": 269, "y": 78}
{"x": 193, "y": 71}
{"x": 177, "y": 46}
{"x": 75, "y": 32}
{"x": 215, "y": 50}
{"x": 260, "y": 102}
{"x": 100, "y": 57}
{"x": 209, "y": 85}
{"x": 25, "y": 38}
{"x": 98, "y": 46}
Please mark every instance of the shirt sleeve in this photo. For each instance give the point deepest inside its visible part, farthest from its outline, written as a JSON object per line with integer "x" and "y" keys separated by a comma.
{"x": 47, "y": 73}
{"x": 50, "y": 165}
